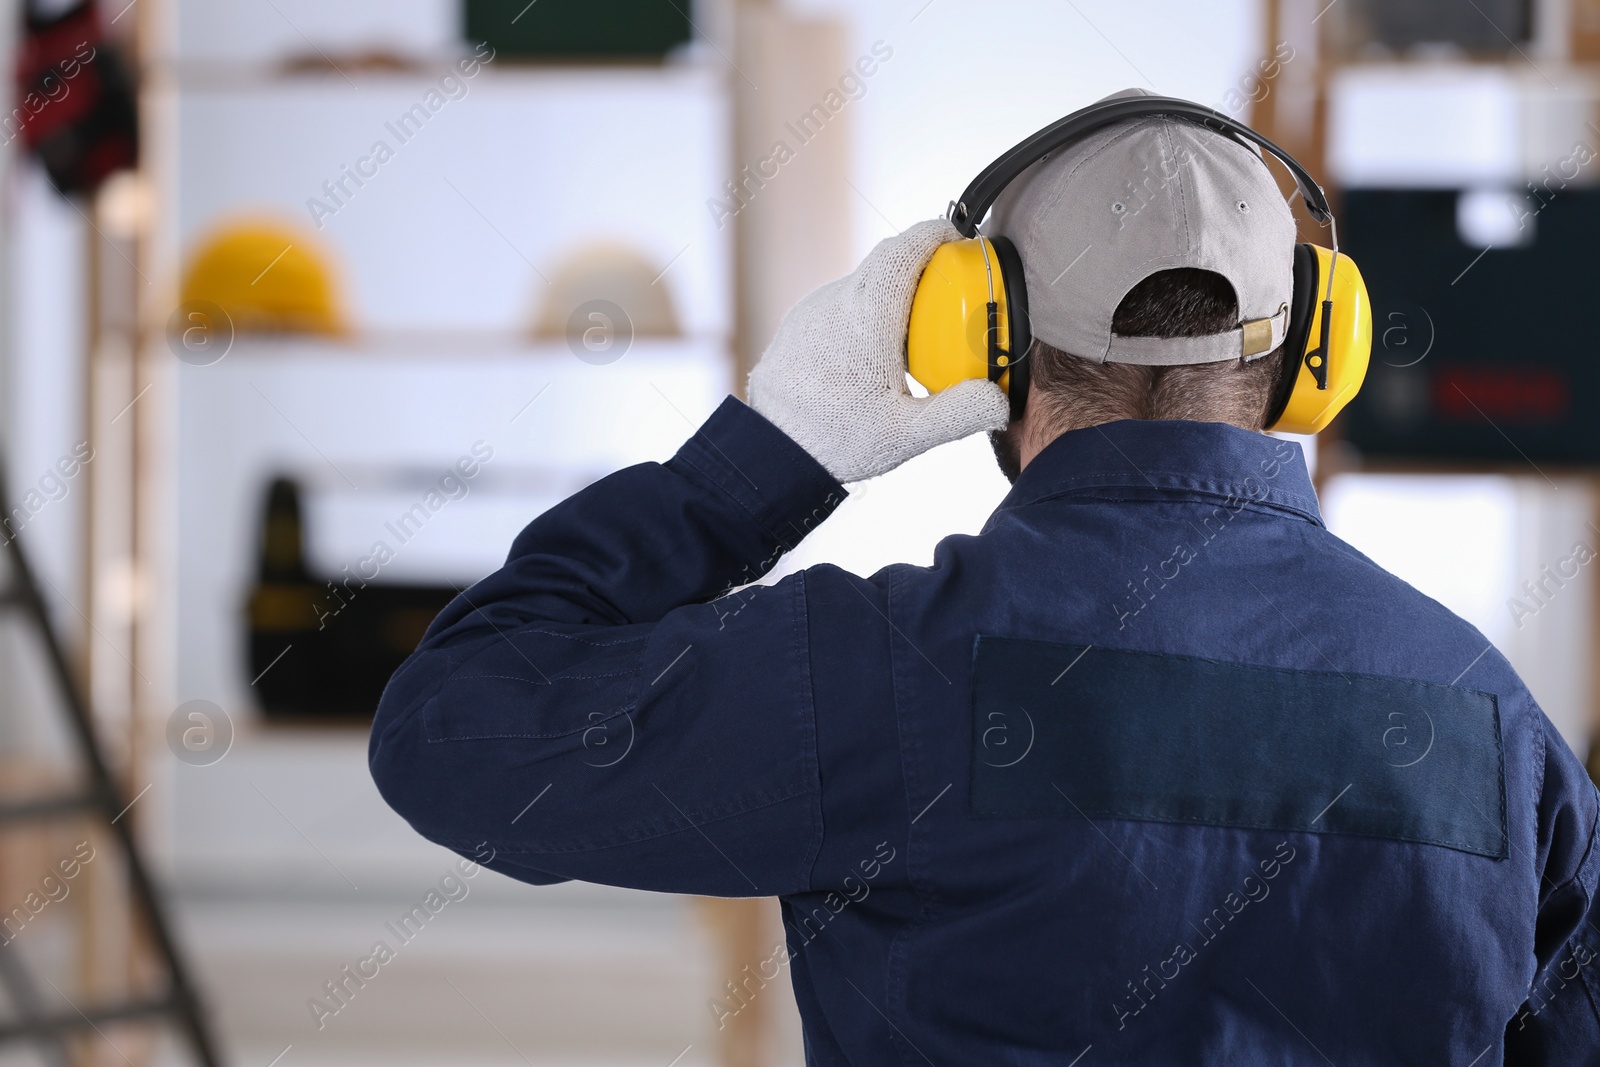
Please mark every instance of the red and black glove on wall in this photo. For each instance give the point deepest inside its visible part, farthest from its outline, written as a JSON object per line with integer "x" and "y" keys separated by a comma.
{"x": 75, "y": 104}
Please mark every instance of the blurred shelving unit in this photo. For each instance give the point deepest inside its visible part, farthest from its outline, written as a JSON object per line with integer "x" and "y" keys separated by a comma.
{"x": 491, "y": 175}
{"x": 448, "y": 253}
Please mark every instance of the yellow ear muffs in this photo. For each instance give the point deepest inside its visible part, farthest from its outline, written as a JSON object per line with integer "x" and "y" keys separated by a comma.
{"x": 969, "y": 319}
{"x": 1328, "y": 344}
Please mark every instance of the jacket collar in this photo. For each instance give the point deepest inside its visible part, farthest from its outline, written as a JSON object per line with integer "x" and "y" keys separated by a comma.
{"x": 1152, "y": 459}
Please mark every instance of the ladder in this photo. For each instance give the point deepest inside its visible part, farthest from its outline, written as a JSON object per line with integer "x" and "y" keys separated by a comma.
{"x": 33, "y": 1021}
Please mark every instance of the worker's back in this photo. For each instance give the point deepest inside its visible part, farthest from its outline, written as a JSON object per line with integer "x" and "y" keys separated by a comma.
{"x": 1187, "y": 779}
{"x": 1154, "y": 764}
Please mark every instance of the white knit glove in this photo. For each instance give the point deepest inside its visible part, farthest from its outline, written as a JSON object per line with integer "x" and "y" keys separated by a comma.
{"x": 834, "y": 378}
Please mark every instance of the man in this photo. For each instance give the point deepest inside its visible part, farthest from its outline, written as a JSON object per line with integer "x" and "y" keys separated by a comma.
{"x": 1153, "y": 770}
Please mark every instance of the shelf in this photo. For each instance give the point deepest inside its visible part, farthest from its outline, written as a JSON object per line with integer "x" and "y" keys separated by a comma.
{"x": 365, "y": 426}
{"x": 478, "y": 203}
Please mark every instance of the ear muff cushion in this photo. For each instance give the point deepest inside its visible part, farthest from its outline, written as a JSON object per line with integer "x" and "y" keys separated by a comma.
{"x": 1302, "y": 308}
{"x": 1020, "y": 340}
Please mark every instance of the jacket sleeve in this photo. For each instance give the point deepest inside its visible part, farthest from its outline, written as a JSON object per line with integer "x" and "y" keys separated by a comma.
{"x": 613, "y": 705}
{"x": 1560, "y": 1022}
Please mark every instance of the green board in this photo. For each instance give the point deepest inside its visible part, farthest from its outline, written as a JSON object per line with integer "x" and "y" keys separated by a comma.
{"x": 579, "y": 29}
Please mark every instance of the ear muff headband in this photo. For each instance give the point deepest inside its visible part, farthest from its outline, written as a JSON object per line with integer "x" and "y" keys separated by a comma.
{"x": 968, "y": 212}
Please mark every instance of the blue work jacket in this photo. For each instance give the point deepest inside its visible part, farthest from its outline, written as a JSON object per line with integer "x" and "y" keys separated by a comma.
{"x": 1155, "y": 769}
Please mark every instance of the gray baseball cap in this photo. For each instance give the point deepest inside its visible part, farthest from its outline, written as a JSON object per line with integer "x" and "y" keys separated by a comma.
{"x": 1092, "y": 220}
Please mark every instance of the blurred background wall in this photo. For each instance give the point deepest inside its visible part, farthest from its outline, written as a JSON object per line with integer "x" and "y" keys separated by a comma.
{"x": 274, "y": 340}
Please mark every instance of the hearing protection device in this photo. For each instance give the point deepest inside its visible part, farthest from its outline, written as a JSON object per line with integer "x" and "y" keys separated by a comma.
{"x": 969, "y": 316}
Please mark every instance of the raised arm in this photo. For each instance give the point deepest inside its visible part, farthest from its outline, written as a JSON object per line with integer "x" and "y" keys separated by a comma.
{"x": 598, "y": 709}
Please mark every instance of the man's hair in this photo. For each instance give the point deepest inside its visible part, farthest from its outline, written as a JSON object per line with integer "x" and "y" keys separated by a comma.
{"x": 1072, "y": 393}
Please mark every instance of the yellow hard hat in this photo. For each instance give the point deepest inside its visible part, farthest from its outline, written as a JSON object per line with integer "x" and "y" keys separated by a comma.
{"x": 270, "y": 277}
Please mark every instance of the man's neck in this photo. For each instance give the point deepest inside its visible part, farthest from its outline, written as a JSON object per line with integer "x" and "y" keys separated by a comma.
{"x": 1038, "y": 430}
{"x": 1035, "y": 434}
